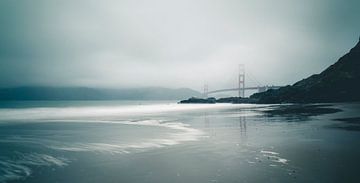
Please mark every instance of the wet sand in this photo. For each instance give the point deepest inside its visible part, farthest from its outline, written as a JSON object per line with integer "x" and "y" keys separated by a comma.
{"x": 177, "y": 143}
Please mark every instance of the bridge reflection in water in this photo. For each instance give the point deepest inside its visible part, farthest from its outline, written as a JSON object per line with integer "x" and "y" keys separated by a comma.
{"x": 237, "y": 123}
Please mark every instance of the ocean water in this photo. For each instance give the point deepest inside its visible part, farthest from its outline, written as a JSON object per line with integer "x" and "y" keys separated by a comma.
{"x": 161, "y": 141}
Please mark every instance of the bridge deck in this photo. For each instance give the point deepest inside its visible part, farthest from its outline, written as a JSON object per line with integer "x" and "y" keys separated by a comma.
{"x": 246, "y": 88}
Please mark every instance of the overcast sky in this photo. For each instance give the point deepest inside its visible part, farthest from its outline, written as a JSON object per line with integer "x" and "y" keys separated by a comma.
{"x": 129, "y": 43}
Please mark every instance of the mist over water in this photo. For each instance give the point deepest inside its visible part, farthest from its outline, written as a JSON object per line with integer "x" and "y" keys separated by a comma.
{"x": 171, "y": 44}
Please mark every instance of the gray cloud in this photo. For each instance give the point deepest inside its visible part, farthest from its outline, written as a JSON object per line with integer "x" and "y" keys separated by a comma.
{"x": 171, "y": 43}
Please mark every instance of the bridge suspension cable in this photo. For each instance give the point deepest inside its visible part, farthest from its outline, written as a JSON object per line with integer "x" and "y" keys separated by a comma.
{"x": 253, "y": 78}
{"x": 241, "y": 84}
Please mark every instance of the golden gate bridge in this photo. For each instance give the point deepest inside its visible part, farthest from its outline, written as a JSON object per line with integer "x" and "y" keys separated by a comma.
{"x": 241, "y": 88}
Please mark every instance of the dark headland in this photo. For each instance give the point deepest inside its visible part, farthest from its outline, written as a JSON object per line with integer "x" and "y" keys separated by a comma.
{"x": 212, "y": 100}
{"x": 340, "y": 82}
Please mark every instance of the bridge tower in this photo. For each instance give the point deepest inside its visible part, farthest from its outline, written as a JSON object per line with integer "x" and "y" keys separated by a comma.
{"x": 206, "y": 90}
{"x": 241, "y": 84}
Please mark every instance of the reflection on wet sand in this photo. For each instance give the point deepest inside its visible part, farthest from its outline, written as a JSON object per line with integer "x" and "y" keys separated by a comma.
{"x": 241, "y": 143}
{"x": 240, "y": 125}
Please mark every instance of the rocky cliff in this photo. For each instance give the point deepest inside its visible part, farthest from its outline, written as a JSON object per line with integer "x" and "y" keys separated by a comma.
{"x": 338, "y": 83}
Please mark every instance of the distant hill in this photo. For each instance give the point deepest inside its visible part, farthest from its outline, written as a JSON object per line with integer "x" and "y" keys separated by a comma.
{"x": 338, "y": 83}
{"x": 83, "y": 93}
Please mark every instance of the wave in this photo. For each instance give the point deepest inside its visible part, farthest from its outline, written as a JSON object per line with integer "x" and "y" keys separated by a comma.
{"x": 100, "y": 111}
{"x": 184, "y": 133}
{"x": 20, "y": 166}
{"x": 273, "y": 156}
{"x": 179, "y": 133}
